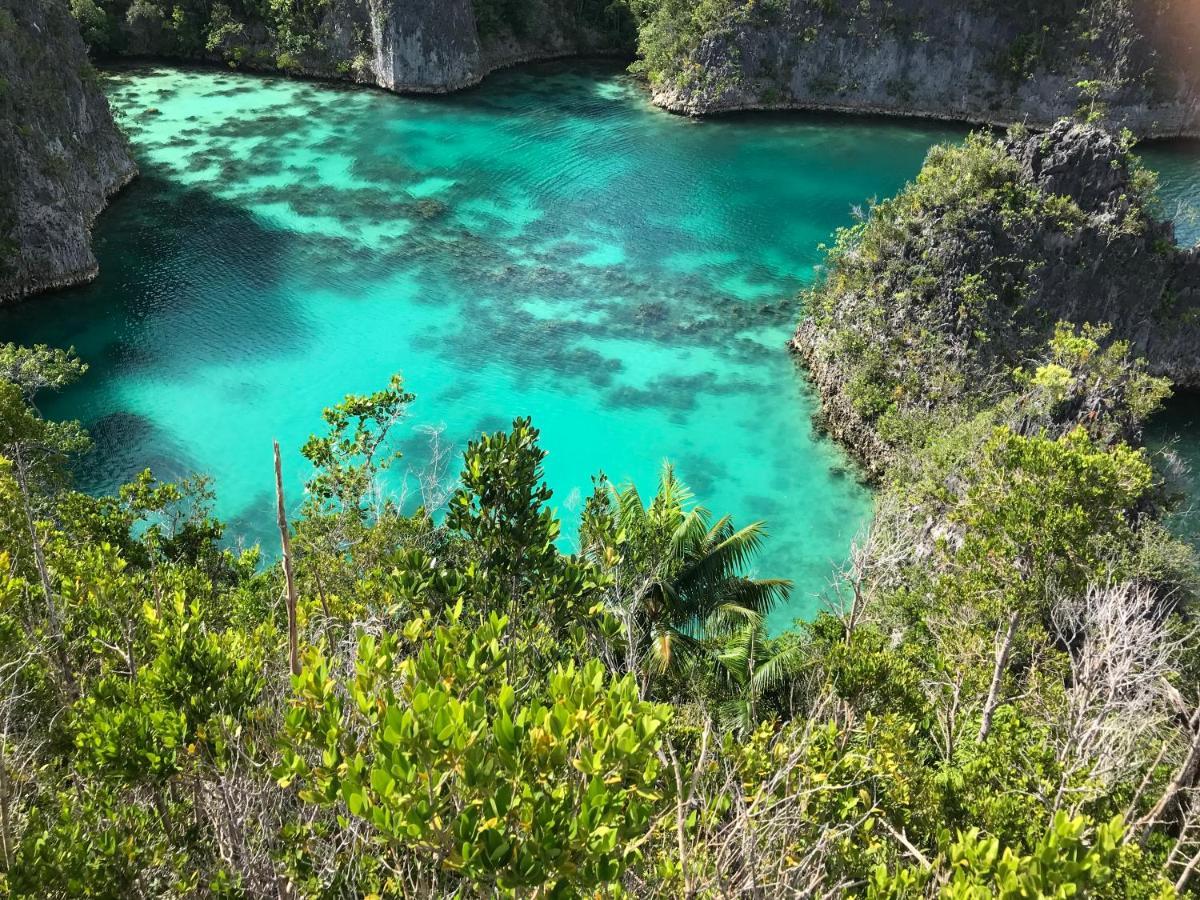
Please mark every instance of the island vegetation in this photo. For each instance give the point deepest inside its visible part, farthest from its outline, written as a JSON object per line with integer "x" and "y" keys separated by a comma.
{"x": 999, "y": 700}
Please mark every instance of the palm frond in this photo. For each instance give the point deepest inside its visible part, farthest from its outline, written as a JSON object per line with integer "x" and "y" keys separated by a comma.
{"x": 724, "y": 561}
{"x": 630, "y": 509}
{"x": 776, "y": 669}
{"x": 668, "y": 645}
{"x": 759, "y": 594}
{"x": 689, "y": 534}
{"x": 726, "y": 618}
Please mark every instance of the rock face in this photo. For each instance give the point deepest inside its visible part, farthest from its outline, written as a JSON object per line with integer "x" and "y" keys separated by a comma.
{"x": 410, "y": 46}
{"x": 61, "y": 156}
{"x": 1121, "y": 266}
{"x": 1001, "y": 63}
{"x": 950, "y": 286}
{"x": 424, "y": 45}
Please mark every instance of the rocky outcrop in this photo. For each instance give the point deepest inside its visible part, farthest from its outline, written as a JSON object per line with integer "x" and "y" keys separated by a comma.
{"x": 1135, "y": 62}
{"x": 61, "y": 156}
{"x": 408, "y": 46}
{"x": 952, "y": 286}
{"x": 424, "y": 45}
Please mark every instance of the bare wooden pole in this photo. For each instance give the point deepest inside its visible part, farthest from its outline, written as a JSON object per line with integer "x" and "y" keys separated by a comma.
{"x": 285, "y": 541}
{"x": 993, "y": 698}
{"x": 1186, "y": 875}
{"x": 39, "y": 558}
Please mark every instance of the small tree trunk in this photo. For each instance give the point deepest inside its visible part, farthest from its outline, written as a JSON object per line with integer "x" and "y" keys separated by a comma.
{"x": 993, "y": 697}
{"x": 285, "y": 541}
{"x": 1183, "y": 775}
{"x": 1186, "y": 875}
{"x": 4, "y": 804}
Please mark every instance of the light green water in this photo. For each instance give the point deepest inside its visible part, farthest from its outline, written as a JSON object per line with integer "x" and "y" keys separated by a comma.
{"x": 547, "y": 245}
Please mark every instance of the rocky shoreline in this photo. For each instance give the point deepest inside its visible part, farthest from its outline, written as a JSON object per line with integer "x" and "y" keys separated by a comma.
{"x": 422, "y": 47}
{"x": 894, "y": 59}
{"x": 681, "y": 103}
{"x": 836, "y": 415}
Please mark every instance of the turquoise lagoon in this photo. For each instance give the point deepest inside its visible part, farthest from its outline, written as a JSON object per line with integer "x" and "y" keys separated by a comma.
{"x": 546, "y": 245}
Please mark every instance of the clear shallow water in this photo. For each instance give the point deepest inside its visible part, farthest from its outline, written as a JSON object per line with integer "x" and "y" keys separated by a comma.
{"x": 547, "y": 245}
{"x": 1178, "y": 428}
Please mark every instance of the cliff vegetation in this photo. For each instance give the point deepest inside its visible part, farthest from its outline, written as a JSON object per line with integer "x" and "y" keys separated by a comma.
{"x": 1031, "y": 61}
{"x": 939, "y": 302}
{"x": 422, "y": 46}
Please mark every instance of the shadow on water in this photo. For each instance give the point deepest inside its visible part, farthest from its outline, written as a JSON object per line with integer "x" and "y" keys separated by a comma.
{"x": 165, "y": 252}
{"x": 123, "y": 445}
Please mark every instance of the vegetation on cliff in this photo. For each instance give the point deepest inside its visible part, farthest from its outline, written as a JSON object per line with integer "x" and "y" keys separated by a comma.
{"x": 1024, "y": 61}
{"x": 1028, "y": 61}
{"x": 341, "y": 38}
{"x": 940, "y": 304}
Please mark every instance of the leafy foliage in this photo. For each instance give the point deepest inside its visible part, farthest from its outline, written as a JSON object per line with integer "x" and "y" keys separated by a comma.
{"x": 437, "y": 753}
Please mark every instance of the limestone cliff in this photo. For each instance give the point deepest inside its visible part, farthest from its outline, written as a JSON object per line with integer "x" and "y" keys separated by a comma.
{"x": 419, "y": 46}
{"x": 951, "y": 286}
{"x": 1134, "y": 62}
{"x": 61, "y": 156}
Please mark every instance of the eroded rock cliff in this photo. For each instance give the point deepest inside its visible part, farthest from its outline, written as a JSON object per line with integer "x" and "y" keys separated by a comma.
{"x": 1135, "y": 63}
{"x": 61, "y": 156}
{"x": 420, "y": 46}
{"x": 947, "y": 290}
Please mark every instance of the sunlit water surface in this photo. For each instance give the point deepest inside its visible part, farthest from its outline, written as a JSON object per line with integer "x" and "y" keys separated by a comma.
{"x": 547, "y": 245}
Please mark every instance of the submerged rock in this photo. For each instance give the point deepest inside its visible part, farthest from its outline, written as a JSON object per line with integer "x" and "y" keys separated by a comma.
{"x": 61, "y": 155}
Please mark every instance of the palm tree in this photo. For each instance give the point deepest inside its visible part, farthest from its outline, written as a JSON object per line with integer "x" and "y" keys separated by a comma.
{"x": 678, "y": 580}
{"x": 755, "y": 673}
